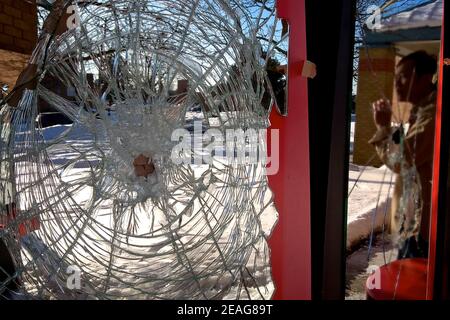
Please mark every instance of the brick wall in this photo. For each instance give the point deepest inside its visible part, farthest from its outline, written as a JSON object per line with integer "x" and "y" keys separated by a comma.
{"x": 376, "y": 76}
{"x": 18, "y": 25}
{"x": 11, "y": 64}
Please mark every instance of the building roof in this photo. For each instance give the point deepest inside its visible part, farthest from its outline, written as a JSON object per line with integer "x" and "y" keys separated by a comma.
{"x": 425, "y": 15}
{"x": 420, "y": 23}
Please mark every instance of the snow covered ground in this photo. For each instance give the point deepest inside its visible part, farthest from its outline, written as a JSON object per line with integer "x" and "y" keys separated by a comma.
{"x": 368, "y": 202}
{"x": 146, "y": 257}
{"x": 369, "y": 199}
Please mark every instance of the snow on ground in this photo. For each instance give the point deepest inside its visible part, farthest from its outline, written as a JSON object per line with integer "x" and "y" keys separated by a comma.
{"x": 96, "y": 239}
{"x": 368, "y": 203}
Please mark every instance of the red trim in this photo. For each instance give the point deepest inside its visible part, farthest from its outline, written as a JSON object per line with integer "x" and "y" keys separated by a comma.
{"x": 23, "y": 228}
{"x": 435, "y": 181}
{"x": 291, "y": 240}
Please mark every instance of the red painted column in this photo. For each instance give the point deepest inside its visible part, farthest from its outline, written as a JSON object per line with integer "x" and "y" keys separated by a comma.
{"x": 436, "y": 168}
{"x": 291, "y": 240}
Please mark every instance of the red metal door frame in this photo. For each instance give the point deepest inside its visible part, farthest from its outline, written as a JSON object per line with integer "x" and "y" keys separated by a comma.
{"x": 438, "y": 186}
{"x": 290, "y": 242}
